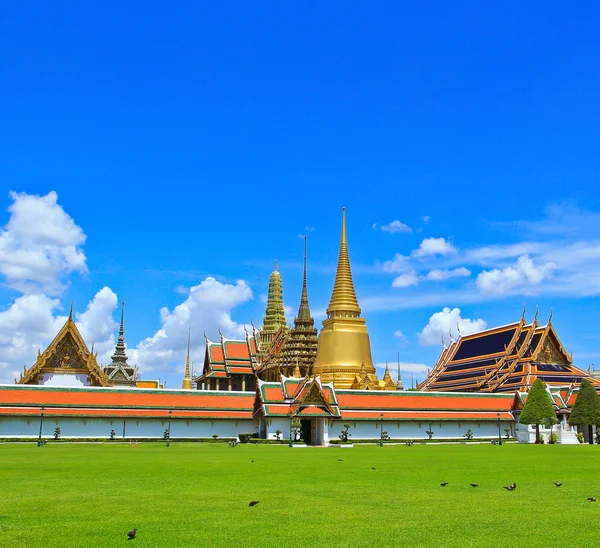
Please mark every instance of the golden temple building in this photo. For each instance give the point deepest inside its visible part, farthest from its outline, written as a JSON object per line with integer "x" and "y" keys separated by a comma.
{"x": 344, "y": 349}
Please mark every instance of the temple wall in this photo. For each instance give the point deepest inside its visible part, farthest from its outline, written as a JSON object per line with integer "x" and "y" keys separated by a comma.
{"x": 415, "y": 430}
{"x": 71, "y": 427}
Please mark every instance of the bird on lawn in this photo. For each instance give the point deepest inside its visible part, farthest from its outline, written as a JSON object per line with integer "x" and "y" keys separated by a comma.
{"x": 253, "y": 502}
{"x": 474, "y": 484}
{"x": 509, "y": 487}
{"x": 513, "y": 486}
{"x": 131, "y": 534}
{"x": 373, "y": 468}
{"x": 592, "y": 499}
{"x": 340, "y": 460}
{"x": 444, "y": 484}
{"x": 557, "y": 483}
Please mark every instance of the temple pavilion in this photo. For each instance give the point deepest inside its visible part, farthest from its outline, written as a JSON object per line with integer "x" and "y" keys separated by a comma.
{"x": 505, "y": 359}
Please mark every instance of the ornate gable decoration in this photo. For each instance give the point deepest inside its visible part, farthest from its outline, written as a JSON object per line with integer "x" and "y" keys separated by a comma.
{"x": 67, "y": 353}
{"x": 551, "y": 350}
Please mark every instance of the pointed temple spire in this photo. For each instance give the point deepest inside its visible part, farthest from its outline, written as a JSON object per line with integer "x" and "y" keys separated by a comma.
{"x": 274, "y": 314}
{"x": 118, "y": 370}
{"x": 301, "y": 344}
{"x": 187, "y": 381}
{"x": 119, "y": 354}
{"x": 71, "y": 312}
{"x": 344, "y": 347}
{"x": 343, "y": 298}
{"x": 304, "y": 310}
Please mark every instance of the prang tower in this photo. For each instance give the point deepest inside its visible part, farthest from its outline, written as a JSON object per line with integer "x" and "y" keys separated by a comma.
{"x": 344, "y": 349}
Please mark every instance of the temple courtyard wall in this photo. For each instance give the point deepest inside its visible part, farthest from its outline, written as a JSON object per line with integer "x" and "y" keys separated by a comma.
{"x": 29, "y": 427}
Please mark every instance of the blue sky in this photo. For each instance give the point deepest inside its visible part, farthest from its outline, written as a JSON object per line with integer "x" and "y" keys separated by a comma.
{"x": 200, "y": 141}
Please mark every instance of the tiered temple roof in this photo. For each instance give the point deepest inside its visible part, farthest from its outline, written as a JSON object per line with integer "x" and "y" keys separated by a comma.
{"x": 124, "y": 403}
{"x": 311, "y": 397}
{"x": 230, "y": 364}
{"x": 295, "y": 397}
{"x": 119, "y": 372}
{"x": 66, "y": 355}
{"x": 505, "y": 359}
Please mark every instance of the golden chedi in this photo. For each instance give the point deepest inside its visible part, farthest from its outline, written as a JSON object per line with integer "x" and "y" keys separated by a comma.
{"x": 344, "y": 348}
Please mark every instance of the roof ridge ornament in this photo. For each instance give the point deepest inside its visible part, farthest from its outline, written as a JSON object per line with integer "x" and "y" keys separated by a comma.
{"x": 524, "y": 310}
{"x": 536, "y": 313}
{"x": 550, "y": 318}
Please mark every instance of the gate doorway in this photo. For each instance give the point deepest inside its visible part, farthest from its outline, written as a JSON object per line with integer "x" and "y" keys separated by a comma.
{"x": 306, "y": 432}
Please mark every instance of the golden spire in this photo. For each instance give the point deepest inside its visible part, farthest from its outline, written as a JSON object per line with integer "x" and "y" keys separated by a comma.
{"x": 344, "y": 348}
{"x": 187, "y": 381}
{"x": 343, "y": 299}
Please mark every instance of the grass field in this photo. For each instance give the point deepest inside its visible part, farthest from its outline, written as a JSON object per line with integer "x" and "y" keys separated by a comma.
{"x": 197, "y": 495}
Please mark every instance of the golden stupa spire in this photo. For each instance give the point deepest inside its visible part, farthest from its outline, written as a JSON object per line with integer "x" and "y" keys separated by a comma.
{"x": 343, "y": 299}
{"x": 344, "y": 348}
{"x": 187, "y": 381}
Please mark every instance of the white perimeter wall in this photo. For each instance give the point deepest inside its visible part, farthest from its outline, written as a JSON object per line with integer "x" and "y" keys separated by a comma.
{"x": 415, "y": 430}
{"x": 71, "y": 427}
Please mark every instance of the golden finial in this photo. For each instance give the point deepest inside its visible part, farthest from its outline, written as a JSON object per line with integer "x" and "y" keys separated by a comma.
{"x": 275, "y": 265}
{"x": 550, "y": 318}
{"x": 343, "y": 298}
{"x": 71, "y": 311}
{"x": 443, "y": 343}
{"x": 458, "y": 328}
{"x": 524, "y": 310}
{"x": 536, "y": 313}
{"x": 187, "y": 381}
{"x": 451, "y": 337}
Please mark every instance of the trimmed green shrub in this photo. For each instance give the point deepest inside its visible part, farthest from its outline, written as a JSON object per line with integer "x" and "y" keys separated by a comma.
{"x": 538, "y": 408}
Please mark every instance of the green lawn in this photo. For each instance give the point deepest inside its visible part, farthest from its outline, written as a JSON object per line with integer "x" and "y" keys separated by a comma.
{"x": 197, "y": 495}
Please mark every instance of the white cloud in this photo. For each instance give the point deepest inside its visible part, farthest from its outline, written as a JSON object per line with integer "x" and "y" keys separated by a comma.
{"x": 406, "y": 280}
{"x": 434, "y": 246}
{"x": 395, "y": 227}
{"x": 97, "y": 325}
{"x": 523, "y": 274}
{"x": 30, "y": 323}
{"x": 398, "y": 333}
{"x": 440, "y": 275}
{"x": 398, "y": 264}
{"x": 40, "y": 245}
{"x": 442, "y": 322}
{"x": 207, "y": 308}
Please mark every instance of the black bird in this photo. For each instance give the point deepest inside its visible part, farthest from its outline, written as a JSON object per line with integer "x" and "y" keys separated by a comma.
{"x": 253, "y": 502}
{"x": 252, "y": 461}
{"x": 557, "y": 483}
{"x": 373, "y": 468}
{"x": 131, "y": 534}
{"x": 508, "y": 487}
{"x": 340, "y": 460}
{"x": 474, "y": 484}
{"x": 444, "y": 484}
{"x": 513, "y": 486}
{"x": 592, "y": 499}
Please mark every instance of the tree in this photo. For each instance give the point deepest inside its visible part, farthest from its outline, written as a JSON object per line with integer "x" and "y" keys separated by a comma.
{"x": 538, "y": 408}
{"x": 586, "y": 410}
{"x": 344, "y": 434}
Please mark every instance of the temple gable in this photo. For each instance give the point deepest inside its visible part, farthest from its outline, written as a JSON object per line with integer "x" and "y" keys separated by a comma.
{"x": 66, "y": 355}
